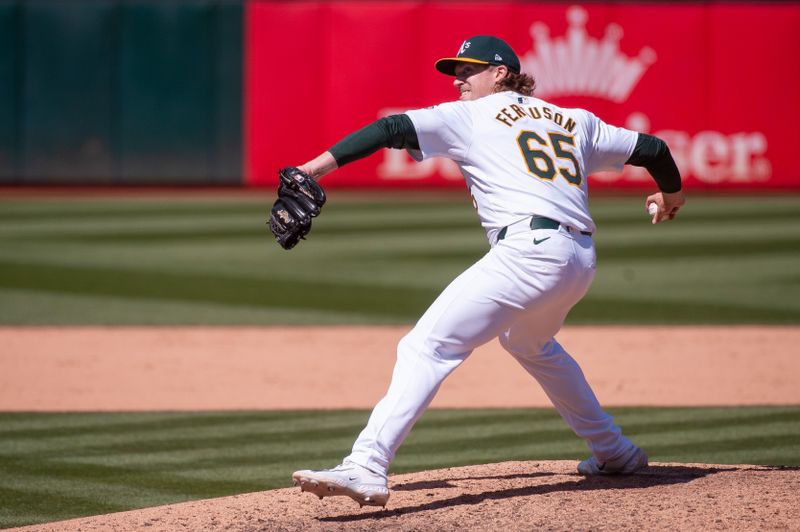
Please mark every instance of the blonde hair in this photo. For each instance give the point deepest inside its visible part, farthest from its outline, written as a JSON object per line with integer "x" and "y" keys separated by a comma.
{"x": 520, "y": 83}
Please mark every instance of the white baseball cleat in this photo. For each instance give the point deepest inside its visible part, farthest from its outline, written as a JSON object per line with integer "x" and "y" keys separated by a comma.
{"x": 353, "y": 480}
{"x": 628, "y": 463}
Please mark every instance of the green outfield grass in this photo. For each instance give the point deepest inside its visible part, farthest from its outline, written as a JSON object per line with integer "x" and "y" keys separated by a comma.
{"x": 57, "y": 466}
{"x": 374, "y": 260}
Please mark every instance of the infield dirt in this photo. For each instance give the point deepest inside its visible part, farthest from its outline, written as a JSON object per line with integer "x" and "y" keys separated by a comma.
{"x": 224, "y": 368}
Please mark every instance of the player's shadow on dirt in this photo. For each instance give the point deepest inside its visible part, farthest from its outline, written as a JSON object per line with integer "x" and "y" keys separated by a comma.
{"x": 655, "y": 475}
{"x": 434, "y": 484}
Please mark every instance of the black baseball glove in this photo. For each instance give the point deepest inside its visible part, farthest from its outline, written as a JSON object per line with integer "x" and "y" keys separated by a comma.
{"x": 300, "y": 199}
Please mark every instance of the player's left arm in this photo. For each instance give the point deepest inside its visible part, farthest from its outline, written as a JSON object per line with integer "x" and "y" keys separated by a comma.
{"x": 653, "y": 154}
{"x": 394, "y": 131}
{"x": 300, "y": 197}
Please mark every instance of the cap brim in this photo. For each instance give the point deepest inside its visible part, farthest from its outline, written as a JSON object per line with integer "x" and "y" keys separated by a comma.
{"x": 447, "y": 65}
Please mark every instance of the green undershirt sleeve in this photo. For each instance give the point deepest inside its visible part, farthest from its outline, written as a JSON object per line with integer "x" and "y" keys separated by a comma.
{"x": 653, "y": 154}
{"x": 394, "y": 131}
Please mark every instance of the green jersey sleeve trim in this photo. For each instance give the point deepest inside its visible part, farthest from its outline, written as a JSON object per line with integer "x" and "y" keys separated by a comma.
{"x": 653, "y": 154}
{"x": 394, "y": 131}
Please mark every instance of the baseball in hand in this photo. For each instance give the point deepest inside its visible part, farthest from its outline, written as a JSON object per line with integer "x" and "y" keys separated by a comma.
{"x": 652, "y": 209}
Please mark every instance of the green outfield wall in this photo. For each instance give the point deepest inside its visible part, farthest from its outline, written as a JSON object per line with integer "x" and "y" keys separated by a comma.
{"x": 112, "y": 92}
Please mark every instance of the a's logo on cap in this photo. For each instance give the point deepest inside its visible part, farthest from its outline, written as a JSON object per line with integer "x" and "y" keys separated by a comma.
{"x": 463, "y": 48}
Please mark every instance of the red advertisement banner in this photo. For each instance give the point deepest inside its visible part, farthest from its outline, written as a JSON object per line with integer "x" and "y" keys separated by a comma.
{"x": 718, "y": 82}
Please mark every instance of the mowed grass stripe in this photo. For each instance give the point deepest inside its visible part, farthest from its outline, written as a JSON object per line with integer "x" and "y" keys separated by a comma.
{"x": 599, "y": 309}
{"x": 213, "y": 454}
{"x": 99, "y": 211}
{"x": 718, "y": 248}
{"x": 117, "y": 494}
{"x": 350, "y": 217}
{"x": 23, "y": 507}
{"x": 606, "y": 207}
{"x": 217, "y": 432}
{"x": 263, "y": 443}
{"x": 699, "y": 217}
{"x": 166, "y": 444}
{"x": 499, "y": 439}
{"x": 18, "y": 425}
{"x": 621, "y": 252}
{"x": 745, "y": 419}
{"x": 209, "y": 432}
{"x": 217, "y": 226}
{"x": 698, "y": 204}
{"x": 551, "y": 428}
{"x": 467, "y": 252}
{"x": 220, "y": 459}
{"x": 685, "y": 425}
{"x": 398, "y": 302}
{"x": 259, "y": 233}
{"x": 213, "y": 226}
{"x": 33, "y": 307}
{"x": 102, "y": 210}
{"x": 735, "y": 445}
{"x": 151, "y": 479}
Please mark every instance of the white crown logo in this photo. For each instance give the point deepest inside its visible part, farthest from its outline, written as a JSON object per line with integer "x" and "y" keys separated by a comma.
{"x": 577, "y": 64}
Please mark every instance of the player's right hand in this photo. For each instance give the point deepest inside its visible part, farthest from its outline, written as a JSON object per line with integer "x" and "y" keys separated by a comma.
{"x": 668, "y": 205}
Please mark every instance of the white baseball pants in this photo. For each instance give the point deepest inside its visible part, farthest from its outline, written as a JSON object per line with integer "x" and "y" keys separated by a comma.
{"x": 519, "y": 292}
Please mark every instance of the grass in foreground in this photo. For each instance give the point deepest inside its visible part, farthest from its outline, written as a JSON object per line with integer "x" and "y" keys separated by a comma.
{"x": 174, "y": 261}
{"x": 58, "y": 466}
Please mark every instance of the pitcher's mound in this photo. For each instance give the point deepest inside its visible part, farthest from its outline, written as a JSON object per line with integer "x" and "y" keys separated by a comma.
{"x": 510, "y": 496}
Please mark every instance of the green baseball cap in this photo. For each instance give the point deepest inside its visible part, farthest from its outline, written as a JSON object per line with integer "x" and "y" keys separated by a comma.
{"x": 483, "y": 50}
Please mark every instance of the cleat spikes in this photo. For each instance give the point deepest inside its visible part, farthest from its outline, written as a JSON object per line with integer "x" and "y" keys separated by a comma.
{"x": 363, "y": 486}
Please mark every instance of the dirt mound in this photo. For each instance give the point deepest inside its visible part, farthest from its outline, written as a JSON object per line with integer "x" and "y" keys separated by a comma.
{"x": 509, "y": 495}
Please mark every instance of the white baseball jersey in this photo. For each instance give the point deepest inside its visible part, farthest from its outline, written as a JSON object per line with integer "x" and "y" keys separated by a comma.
{"x": 522, "y": 156}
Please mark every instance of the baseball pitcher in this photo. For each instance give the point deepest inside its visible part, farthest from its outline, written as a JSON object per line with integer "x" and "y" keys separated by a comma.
{"x": 525, "y": 162}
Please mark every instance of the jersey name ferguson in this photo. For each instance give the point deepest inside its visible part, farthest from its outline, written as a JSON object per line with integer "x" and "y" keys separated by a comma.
{"x": 522, "y": 156}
